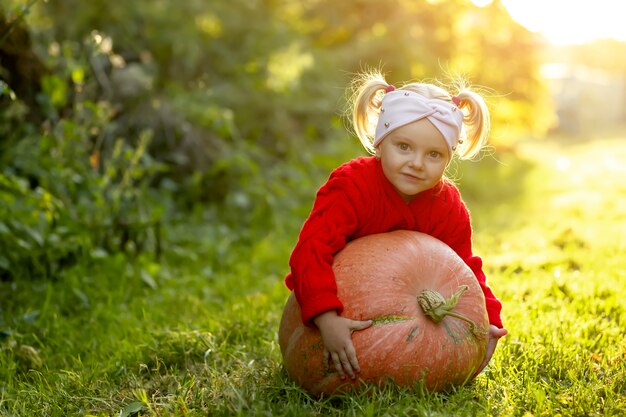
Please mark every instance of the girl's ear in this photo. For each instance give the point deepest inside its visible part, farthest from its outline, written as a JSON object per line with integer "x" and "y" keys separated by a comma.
{"x": 377, "y": 154}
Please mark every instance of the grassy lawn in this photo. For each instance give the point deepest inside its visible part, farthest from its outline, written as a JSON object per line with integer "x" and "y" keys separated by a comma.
{"x": 196, "y": 332}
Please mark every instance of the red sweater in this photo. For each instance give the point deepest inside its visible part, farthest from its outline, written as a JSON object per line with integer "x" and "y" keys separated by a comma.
{"x": 358, "y": 200}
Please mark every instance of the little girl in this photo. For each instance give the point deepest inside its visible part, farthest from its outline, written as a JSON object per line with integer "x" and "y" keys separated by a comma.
{"x": 413, "y": 133}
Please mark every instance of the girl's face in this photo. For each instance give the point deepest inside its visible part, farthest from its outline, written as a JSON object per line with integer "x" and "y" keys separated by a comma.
{"x": 413, "y": 157}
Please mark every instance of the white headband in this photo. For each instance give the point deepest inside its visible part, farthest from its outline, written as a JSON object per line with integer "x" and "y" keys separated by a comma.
{"x": 401, "y": 107}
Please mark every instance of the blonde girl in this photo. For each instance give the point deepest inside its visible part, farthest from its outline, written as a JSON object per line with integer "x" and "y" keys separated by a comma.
{"x": 412, "y": 132}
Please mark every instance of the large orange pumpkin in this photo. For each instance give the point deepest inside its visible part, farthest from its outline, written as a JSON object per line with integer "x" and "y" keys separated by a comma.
{"x": 388, "y": 278}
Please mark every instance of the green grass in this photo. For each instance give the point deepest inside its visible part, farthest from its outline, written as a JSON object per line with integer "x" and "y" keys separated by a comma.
{"x": 196, "y": 333}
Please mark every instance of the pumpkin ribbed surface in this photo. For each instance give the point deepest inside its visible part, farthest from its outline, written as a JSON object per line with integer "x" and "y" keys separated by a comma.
{"x": 381, "y": 277}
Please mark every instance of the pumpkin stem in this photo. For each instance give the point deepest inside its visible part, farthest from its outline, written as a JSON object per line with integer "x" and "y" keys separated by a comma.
{"x": 436, "y": 306}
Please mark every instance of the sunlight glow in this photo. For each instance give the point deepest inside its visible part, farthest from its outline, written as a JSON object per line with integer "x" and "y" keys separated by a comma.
{"x": 563, "y": 163}
{"x": 566, "y": 22}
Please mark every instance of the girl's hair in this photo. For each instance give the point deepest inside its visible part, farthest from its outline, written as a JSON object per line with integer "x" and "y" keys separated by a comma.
{"x": 368, "y": 90}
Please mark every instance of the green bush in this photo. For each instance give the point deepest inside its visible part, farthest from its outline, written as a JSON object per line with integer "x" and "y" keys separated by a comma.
{"x": 62, "y": 201}
{"x": 149, "y": 112}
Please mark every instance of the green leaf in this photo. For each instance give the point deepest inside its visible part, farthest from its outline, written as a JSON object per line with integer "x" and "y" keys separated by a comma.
{"x": 78, "y": 75}
{"x": 4, "y": 263}
{"x": 5, "y": 334}
{"x": 56, "y": 89}
{"x": 30, "y": 317}
{"x": 35, "y": 235}
{"x": 99, "y": 253}
{"x": 147, "y": 278}
{"x": 82, "y": 296}
{"x": 5, "y": 90}
{"x": 132, "y": 409}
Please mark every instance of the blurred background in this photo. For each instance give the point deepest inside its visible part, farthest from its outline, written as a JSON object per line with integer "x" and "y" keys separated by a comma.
{"x": 119, "y": 117}
{"x": 158, "y": 159}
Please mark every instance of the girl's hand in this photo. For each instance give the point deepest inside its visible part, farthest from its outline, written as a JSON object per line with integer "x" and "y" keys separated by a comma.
{"x": 495, "y": 334}
{"x": 337, "y": 338}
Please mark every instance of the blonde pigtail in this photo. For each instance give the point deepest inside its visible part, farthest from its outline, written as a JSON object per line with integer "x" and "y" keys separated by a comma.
{"x": 476, "y": 119}
{"x": 368, "y": 90}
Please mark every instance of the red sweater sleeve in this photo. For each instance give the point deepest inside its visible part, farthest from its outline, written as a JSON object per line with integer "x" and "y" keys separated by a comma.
{"x": 456, "y": 231}
{"x": 326, "y": 231}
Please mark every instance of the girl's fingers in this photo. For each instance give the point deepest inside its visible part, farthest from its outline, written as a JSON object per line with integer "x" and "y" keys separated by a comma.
{"x": 500, "y": 333}
{"x": 338, "y": 366}
{"x": 360, "y": 325}
{"x": 354, "y": 362}
{"x": 325, "y": 358}
{"x": 345, "y": 363}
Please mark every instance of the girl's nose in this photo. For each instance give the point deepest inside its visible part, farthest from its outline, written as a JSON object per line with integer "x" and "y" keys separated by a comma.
{"x": 417, "y": 161}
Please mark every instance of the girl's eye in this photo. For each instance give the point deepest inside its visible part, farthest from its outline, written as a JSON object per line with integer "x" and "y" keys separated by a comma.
{"x": 403, "y": 146}
{"x": 435, "y": 154}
